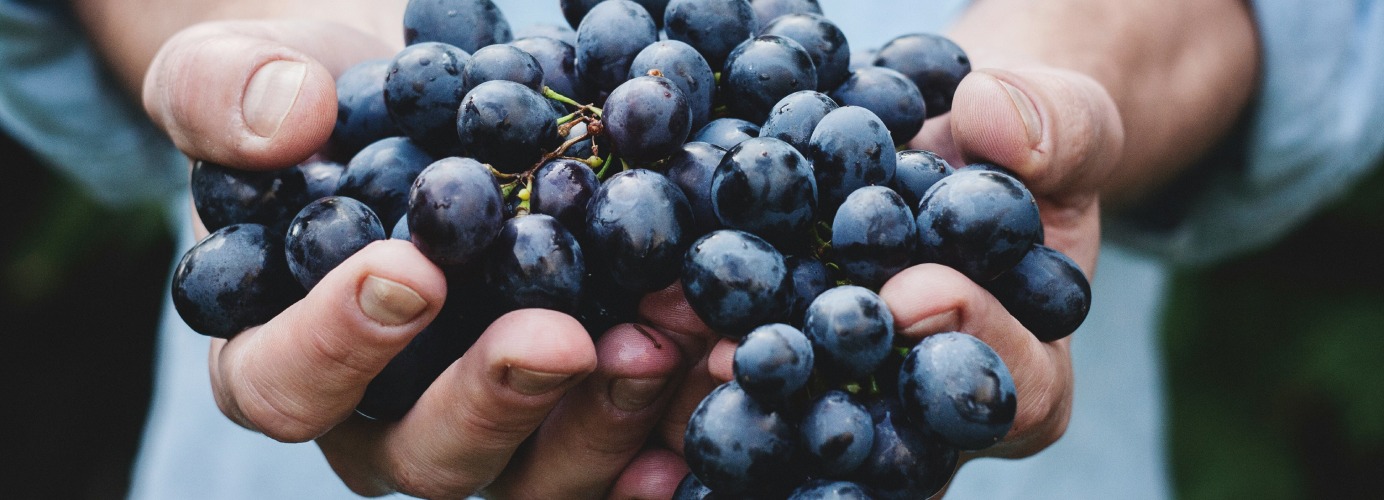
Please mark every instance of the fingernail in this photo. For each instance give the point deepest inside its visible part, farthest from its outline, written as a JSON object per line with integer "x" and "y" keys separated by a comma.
{"x": 1027, "y": 112}
{"x": 272, "y": 91}
{"x": 389, "y": 302}
{"x": 634, "y": 394}
{"x": 942, "y": 322}
{"x": 533, "y": 383}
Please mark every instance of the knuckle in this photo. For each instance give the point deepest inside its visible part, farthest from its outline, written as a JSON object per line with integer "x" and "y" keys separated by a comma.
{"x": 277, "y": 414}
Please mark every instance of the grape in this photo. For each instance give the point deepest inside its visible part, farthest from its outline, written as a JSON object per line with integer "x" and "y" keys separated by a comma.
{"x": 422, "y": 92}
{"x": 507, "y": 125}
{"x": 809, "y": 279}
{"x": 873, "y": 236}
{"x": 863, "y": 58}
{"x": 575, "y": 10}
{"x": 638, "y": 225}
{"x": 584, "y": 148}
{"x": 772, "y": 363}
{"x": 978, "y": 222}
{"x": 681, "y": 64}
{"x": 959, "y": 390}
{"x": 713, "y": 27}
{"x": 889, "y": 95}
{"x": 739, "y": 448}
{"x": 501, "y": 62}
{"x": 608, "y": 39}
{"x": 837, "y": 434}
{"x": 917, "y": 171}
{"x": 934, "y": 63}
{"x": 735, "y": 282}
{"x": 766, "y": 11}
{"x": 327, "y": 232}
{"x": 692, "y": 170}
{"x": 766, "y": 187}
{"x": 535, "y": 262}
{"x": 763, "y": 70}
{"x": 794, "y": 117}
{"x": 466, "y": 24}
{"x": 1046, "y": 292}
{"x": 558, "y": 32}
{"x": 726, "y": 133}
{"x": 558, "y": 60}
{"x": 322, "y": 177}
{"x": 851, "y": 330}
{"x": 849, "y": 149}
{"x": 382, "y": 174}
{"x": 823, "y": 41}
{"x": 224, "y": 195}
{"x": 822, "y": 489}
{"x": 455, "y": 211}
{"x": 361, "y": 114}
{"x": 605, "y": 304}
{"x": 400, "y": 231}
{"x": 562, "y": 188}
{"x": 646, "y": 120}
{"x": 690, "y": 488}
{"x": 904, "y": 463}
{"x": 233, "y": 279}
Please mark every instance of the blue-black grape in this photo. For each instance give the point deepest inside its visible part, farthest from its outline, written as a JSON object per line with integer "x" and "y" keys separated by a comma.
{"x": 605, "y": 304}
{"x": 739, "y": 448}
{"x": 234, "y": 279}
{"x": 327, "y": 232}
{"x": 535, "y": 262}
{"x": 959, "y": 390}
{"x": 766, "y": 187}
{"x": 735, "y": 281}
{"x": 836, "y": 434}
{"x": 851, "y": 329}
{"x": 772, "y": 363}
{"x": 501, "y": 62}
{"x": 638, "y": 225}
{"x": 559, "y": 62}
{"x": 422, "y": 92}
{"x": 873, "y": 236}
{"x": 382, "y": 174}
{"x": 400, "y": 231}
{"x": 763, "y": 70}
{"x": 692, "y": 169}
{"x": 766, "y": 11}
{"x": 917, "y": 171}
{"x": 713, "y": 27}
{"x": 794, "y": 117}
{"x": 890, "y": 95}
{"x": 824, "y": 42}
{"x": 681, "y": 64}
{"x": 978, "y": 222}
{"x": 646, "y": 119}
{"x": 691, "y": 488}
{"x": 849, "y": 149}
{"x": 507, "y": 125}
{"x": 559, "y": 32}
{"x": 361, "y": 114}
{"x": 809, "y": 279}
{"x": 823, "y": 489}
{"x": 610, "y": 35}
{"x": 1046, "y": 292}
{"x": 562, "y": 188}
{"x": 466, "y": 24}
{"x": 575, "y": 10}
{"x": 904, "y": 463}
{"x": 225, "y": 196}
{"x": 322, "y": 177}
{"x": 726, "y": 133}
{"x": 455, "y": 210}
{"x": 933, "y": 62}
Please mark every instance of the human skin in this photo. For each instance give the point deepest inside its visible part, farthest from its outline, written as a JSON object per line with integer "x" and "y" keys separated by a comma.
{"x": 1086, "y": 100}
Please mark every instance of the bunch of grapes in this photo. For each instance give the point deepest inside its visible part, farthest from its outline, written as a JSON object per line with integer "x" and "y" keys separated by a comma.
{"x": 730, "y": 144}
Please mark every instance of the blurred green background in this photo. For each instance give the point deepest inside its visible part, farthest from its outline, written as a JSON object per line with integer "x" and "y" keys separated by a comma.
{"x": 1273, "y": 359}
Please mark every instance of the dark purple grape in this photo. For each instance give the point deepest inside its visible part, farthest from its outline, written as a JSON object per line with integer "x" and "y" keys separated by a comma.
{"x": 836, "y": 434}
{"x": 501, "y": 62}
{"x": 934, "y": 63}
{"x": 794, "y": 117}
{"x": 691, "y": 488}
{"x": 824, "y": 42}
{"x": 958, "y": 389}
{"x": 917, "y": 171}
{"x": 735, "y": 282}
{"x": 823, "y": 489}
{"x": 766, "y": 11}
{"x": 772, "y": 363}
{"x": 713, "y": 27}
{"x": 381, "y": 175}
{"x": 978, "y": 222}
{"x": 605, "y": 304}
{"x": 399, "y": 385}
{"x": 507, "y": 125}
{"x": 575, "y": 10}
{"x": 692, "y": 170}
{"x": 763, "y": 70}
{"x": 849, "y": 149}
{"x": 608, "y": 39}
{"x": 400, "y": 231}
{"x": 726, "y": 133}
{"x": 234, "y": 279}
{"x": 873, "y": 236}
{"x": 559, "y": 62}
{"x": 361, "y": 115}
{"x": 889, "y": 95}
{"x": 638, "y": 225}
{"x": 225, "y": 196}
{"x": 738, "y": 447}
{"x": 851, "y": 330}
{"x": 1046, "y": 292}
{"x": 322, "y": 177}
{"x": 535, "y": 262}
{"x": 904, "y": 463}
{"x": 466, "y": 24}
{"x": 681, "y": 64}
{"x": 646, "y": 119}
{"x": 559, "y": 32}
{"x": 327, "y": 232}
{"x": 455, "y": 210}
{"x": 562, "y": 188}
{"x": 809, "y": 278}
{"x": 422, "y": 92}
{"x": 766, "y": 187}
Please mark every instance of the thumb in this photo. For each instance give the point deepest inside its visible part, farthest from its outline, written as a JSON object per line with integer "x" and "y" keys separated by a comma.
{"x": 253, "y": 94}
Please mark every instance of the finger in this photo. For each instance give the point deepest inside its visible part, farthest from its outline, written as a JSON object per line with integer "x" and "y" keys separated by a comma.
{"x": 668, "y": 310}
{"x": 721, "y": 361}
{"x": 654, "y": 474}
{"x": 697, "y": 384}
{"x": 602, "y": 423}
{"x": 253, "y": 94}
{"x": 296, "y": 376}
{"x": 468, "y": 424}
{"x": 930, "y": 298}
